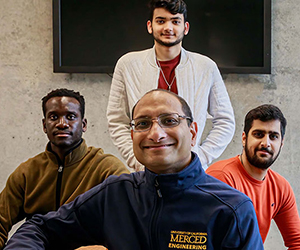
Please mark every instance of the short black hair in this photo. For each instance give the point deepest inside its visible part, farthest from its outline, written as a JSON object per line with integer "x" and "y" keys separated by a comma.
{"x": 264, "y": 113}
{"x": 64, "y": 92}
{"x": 185, "y": 107}
{"x": 173, "y": 6}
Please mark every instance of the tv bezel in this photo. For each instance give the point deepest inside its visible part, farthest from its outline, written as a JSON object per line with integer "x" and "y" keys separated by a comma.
{"x": 59, "y": 68}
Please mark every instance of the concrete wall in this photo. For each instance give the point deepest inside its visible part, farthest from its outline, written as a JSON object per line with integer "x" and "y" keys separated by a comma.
{"x": 26, "y": 76}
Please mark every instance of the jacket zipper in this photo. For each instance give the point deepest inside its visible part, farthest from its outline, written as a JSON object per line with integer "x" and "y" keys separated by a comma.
{"x": 158, "y": 206}
{"x": 58, "y": 184}
{"x": 156, "y": 184}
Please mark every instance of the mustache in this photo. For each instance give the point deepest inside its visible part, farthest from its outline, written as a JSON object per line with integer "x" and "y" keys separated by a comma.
{"x": 268, "y": 150}
{"x": 168, "y": 33}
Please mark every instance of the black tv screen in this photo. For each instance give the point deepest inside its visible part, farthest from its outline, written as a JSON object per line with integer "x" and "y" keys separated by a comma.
{"x": 89, "y": 36}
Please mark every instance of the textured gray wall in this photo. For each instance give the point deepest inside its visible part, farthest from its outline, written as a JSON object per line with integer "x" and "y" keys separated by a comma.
{"x": 26, "y": 75}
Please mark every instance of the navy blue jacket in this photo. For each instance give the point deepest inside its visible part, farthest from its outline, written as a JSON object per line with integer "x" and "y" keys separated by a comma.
{"x": 143, "y": 210}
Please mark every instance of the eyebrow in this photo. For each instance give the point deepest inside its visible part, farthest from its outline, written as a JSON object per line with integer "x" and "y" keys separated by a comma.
{"x": 142, "y": 116}
{"x": 172, "y": 18}
{"x": 264, "y": 131}
{"x": 146, "y": 116}
{"x": 51, "y": 112}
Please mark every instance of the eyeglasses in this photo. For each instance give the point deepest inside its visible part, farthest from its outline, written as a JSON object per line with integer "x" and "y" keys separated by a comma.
{"x": 164, "y": 120}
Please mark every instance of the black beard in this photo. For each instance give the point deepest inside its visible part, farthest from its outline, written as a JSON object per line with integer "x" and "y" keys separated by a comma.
{"x": 168, "y": 44}
{"x": 258, "y": 162}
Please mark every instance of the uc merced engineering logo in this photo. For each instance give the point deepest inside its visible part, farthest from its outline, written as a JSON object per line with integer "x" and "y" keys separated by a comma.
{"x": 188, "y": 240}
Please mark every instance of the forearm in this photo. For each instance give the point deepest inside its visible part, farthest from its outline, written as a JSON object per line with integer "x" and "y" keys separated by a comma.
{"x": 11, "y": 206}
{"x": 118, "y": 116}
{"x": 217, "y": 140}
{"x": 289, "y": 226}
{"x": 63, "y": 228}
{"x": 220, "y": 123}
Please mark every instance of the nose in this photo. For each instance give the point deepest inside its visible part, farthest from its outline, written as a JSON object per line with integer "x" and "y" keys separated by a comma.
{"x": 265, "y": 142}
{"x": 62, "y": 123}
{"x": 156, "y": 132}
{"x": 168, "y": 26}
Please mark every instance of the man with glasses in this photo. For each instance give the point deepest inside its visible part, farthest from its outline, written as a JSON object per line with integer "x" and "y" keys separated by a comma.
{"x": 173, "y": 204}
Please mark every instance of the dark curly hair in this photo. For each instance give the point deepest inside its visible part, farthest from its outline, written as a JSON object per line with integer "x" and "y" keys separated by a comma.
{"x": 64, "y": 92}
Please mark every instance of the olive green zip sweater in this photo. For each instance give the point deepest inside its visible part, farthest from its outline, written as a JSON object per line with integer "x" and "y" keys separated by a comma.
{"x": 43, "y": 183}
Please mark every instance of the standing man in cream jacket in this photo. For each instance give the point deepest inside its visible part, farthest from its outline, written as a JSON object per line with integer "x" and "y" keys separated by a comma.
{"x": 169, "y": 66}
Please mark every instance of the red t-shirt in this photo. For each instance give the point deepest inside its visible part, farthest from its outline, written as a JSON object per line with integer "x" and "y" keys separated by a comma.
{"x": 168, "y": 67}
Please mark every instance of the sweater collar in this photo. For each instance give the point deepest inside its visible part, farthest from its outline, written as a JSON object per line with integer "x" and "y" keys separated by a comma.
{"x": 181, "y": 180}
{"x": 247, "y": 175}
{"x": 73, "y": 156}
{"x": 152, "y": 57}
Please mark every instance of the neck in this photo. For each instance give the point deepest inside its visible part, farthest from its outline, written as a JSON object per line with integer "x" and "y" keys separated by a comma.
{"x": 59, "y": 152}
{"x": 61, "y": 155}
{"x": 63, "y": 151}
{"x": 254, "y": 172}
{"x": 164, "y": 53}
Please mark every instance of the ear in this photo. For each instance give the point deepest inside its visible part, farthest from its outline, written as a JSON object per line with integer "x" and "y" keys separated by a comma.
{"x": 282, "y": 142}
{"x": 84, "y": 125}
{"x": 244, "y": 137}
{"x": 149, "y": 27}
{"x": 193, "y": 131}
{"x": 186, "y": 28}
{"x": 44, "y": 125}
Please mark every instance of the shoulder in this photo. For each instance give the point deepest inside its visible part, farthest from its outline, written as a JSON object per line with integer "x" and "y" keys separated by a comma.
{"x": 98, "y": 153}
{"x": 200, "y": 59}
{"x": 135, "y": 56}
{"x": 224, "y": 194}
{"x": 41, "y": 158}
{"x": 134, "y": 179}
{"x": 118, "y": 186}
{"x": 278, "y": 181}
{"x": 105, "y": 161}
{"x": 279, "y": 187}
{"x": 227, "y": 171}
{"x": 274, "y": 175}
{"x": 28, "y": 167}
{"x": 225, "y": 166}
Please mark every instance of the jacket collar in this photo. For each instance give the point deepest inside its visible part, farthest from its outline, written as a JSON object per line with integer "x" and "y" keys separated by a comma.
{"x": 73, "y": 156}
{"x": 178, "y": 181}
{"x": 152, "y": 57}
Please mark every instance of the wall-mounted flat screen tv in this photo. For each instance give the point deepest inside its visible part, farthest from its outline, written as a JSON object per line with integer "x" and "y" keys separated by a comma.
{"x": 91, "y": 35}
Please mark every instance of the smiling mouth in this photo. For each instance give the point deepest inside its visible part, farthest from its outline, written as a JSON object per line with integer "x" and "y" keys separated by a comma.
{"x": 159, "y": 146}
{"x": 167, "y": 34}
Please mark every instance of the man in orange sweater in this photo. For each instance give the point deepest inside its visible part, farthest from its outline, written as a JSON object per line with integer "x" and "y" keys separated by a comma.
{"x": 250, "y": 173}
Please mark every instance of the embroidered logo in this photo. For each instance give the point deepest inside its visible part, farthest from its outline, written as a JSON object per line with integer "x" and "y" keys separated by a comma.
{"x": 188, "y": 240}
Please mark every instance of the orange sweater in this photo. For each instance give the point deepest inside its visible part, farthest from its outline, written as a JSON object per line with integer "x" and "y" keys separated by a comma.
{"x": 273, "y": 198}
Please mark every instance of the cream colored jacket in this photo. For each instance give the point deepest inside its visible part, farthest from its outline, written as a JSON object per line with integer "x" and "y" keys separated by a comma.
{"x": 198, "y": 81}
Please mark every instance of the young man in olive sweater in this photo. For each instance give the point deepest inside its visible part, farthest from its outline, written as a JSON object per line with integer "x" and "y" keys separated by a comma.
{"x": 64, "y": 170}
